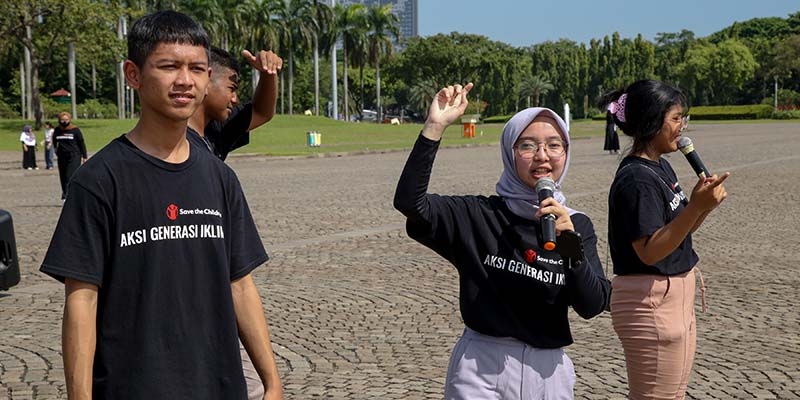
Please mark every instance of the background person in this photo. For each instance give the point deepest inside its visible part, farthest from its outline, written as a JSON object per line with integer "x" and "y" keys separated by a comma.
{"x": 49, "y": 150}
{"x": 612, "y": 138}
{"x": 70, "y": 149}
{"x": 650, "y": 222}
{"x": 28, "y": 139}
{"x": 514, "y": 294}
{"x": 222, "y": 124}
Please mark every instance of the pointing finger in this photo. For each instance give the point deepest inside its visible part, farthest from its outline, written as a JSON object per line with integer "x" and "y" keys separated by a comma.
{"x": 720, "y": 179}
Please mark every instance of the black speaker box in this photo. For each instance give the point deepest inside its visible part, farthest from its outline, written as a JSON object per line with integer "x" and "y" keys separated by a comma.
{"x": 9, "y": 263}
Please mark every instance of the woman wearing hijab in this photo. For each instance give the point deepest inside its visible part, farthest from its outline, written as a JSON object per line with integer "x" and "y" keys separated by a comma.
{"x": 28, "y": 139}
{"x": 514, "y": 294}
{"x": 70, "y": 149}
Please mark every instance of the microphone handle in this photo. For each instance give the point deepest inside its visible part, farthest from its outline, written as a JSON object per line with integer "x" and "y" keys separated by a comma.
{"x": 548, "y": 222}
{"x": 697, "y": 165}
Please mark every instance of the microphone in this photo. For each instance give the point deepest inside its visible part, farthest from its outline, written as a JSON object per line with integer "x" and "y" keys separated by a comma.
{"x": 687, "y": 148}
{"x": 545, "y": 188}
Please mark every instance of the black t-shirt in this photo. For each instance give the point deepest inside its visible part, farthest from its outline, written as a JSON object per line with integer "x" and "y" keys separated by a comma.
{"x": 69, "y": 142}
{"x": 509, "y": 285}
{"x": 223, "y": 138}
{"x": 645, "y": 196}
{"x": 163, "y": 242}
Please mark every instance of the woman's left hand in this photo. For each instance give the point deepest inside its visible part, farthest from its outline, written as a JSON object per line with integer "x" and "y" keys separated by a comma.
{"x": 563, "y": 221}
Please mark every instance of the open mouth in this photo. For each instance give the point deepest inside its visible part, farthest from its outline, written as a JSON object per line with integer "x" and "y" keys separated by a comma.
{"x": 541, "y": 172}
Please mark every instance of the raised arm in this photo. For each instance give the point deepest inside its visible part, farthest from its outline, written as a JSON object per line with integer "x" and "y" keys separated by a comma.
{"x": 448, "y": 105}
{"x": 268, "y": 64}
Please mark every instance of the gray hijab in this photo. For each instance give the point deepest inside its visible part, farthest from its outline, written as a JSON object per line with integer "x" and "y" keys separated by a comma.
{"x": 521, "y": 199}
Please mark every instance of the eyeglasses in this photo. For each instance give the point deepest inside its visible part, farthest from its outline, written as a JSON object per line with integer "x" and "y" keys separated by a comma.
{"x": 554, "y": 148}
{"x": 684, "y": 121}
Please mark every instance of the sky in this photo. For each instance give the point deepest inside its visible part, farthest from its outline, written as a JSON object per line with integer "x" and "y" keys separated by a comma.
{"x": 528, "y": 22}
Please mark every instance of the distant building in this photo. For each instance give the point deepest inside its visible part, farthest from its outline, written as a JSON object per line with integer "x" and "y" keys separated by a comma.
{"x": 407, "y": 12}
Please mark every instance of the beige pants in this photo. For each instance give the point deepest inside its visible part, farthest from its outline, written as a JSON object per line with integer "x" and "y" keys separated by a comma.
{"x": 255, "y": 389}
{"x": 654, "y": 318}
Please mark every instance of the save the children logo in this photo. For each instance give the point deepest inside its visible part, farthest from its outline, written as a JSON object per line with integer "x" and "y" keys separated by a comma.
{"x": 172, "y": 212}
{"x": 530, "y": 256}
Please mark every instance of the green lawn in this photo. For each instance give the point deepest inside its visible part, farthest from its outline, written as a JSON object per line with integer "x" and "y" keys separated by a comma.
{"x": 286, "y": 135}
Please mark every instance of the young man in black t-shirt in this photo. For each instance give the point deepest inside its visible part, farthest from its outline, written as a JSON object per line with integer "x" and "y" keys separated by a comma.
{"x": 155, "y": 245}
{"x": 221, "y": 124}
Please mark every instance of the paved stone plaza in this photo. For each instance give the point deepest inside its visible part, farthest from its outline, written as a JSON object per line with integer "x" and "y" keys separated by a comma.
{"x": 359, "y": 311}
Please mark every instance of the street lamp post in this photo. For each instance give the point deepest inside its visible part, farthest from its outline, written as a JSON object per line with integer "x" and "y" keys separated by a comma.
{"x": 776, "y": 92}
{"x": 334, "y": 85}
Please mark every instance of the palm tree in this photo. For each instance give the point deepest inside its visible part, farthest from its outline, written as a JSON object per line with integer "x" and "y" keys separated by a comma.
{"x": 322, "y": 21}
{"x": 351, "y": 22}
{"x": 421, "y": 94}
{"x": 283, "y": 34}
{"x": 259, "y": 30}
{"x": 382, "y": 26}
{"x": 299, "y": 31}
{"x": 533, "y": 87}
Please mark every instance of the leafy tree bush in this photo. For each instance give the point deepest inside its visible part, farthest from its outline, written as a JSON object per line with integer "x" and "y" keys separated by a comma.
{"x": 758, "y": 111}
{"x": 786, "y": 99}
{"x": 97, "y": 109}
{"x": 786, "y": 114}
{"x": 6, "y": 111}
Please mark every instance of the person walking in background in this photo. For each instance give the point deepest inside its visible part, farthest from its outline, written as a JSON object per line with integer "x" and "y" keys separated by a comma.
{"x": 514, "y": 292}
{"x": 650, "y": 225}
{"x": 49, "y": 150}
{"x": 28, "y": 139}
{"x": 70, "y": 149}
{"x": 612, "y": 138}
{"x": 158, "y": 292}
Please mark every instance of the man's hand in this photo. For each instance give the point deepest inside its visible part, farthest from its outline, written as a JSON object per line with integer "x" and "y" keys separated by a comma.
{"x": 274, "y": 393}
{"x": 265, "y": 61}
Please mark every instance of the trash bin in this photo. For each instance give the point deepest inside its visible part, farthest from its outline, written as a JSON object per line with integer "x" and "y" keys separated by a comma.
{"x": 9, "y": 263}
{"x": 313, "y": 139}
{"x": 469, "y": 121}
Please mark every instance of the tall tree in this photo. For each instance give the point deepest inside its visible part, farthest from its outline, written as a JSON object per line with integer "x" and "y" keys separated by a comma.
{"x": 300, "y": 28}
{"x": 383, "y": 31}
{"x": 351, "y": 24}
{"x": 712, "y": 73}
{"x": 45, "y": 26}
{"x": 671, "y": 48}
{"x": 321, "y": 20}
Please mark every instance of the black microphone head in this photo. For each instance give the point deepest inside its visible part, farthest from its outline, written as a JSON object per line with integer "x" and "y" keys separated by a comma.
{"x": 685, "y": 145}
{"x": 545, "y": 188}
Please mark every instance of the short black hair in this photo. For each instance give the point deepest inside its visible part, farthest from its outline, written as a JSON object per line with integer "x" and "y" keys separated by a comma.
{"x": 646, "y": 105}
{"x": 166, "y": 26}
{"x": 221, "y": 58}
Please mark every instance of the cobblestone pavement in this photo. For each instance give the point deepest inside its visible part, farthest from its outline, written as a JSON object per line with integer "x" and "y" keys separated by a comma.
{"x": 359, "y": 311}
